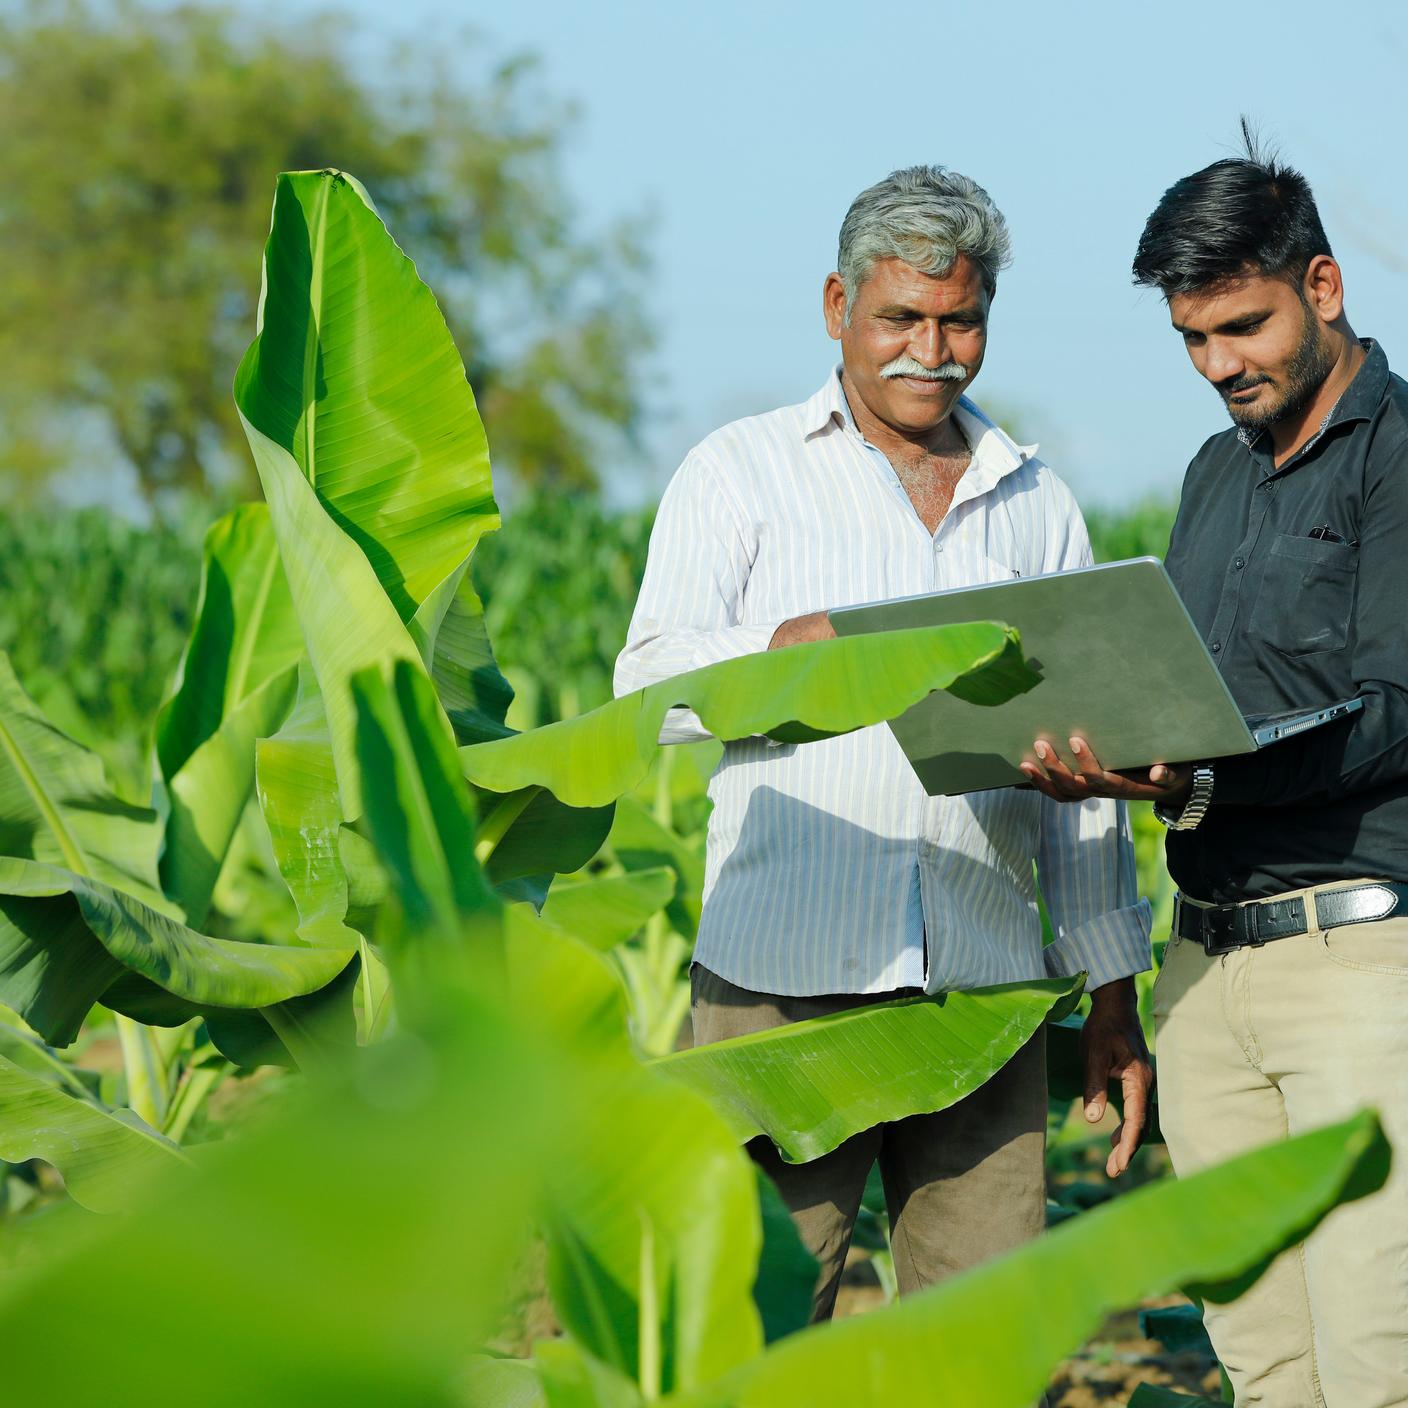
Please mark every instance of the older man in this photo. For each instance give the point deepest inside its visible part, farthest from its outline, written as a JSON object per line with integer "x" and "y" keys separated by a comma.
{"x": 832, "y": 879}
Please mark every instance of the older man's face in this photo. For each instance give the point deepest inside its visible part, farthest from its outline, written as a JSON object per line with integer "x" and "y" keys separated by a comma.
{"x": 915, "y": 341}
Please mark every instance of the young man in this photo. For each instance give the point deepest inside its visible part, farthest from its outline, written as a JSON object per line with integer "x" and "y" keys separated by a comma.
{"x": 832, "y": 879}
{"x": 1283, "y": 1000}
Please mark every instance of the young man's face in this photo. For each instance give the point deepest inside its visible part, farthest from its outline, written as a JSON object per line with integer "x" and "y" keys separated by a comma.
{"x": 915, "y": 340}
{"x": 1262, "y": 342}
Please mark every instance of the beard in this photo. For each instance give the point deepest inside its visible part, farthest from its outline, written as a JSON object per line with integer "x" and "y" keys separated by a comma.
{"x": 1304, "y": 376}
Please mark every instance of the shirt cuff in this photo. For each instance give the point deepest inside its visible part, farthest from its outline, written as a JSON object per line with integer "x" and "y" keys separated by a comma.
{"x": 1109, "y": 947}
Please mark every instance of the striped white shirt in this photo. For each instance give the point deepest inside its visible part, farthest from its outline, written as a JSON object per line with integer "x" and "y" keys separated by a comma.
{"x": 829, "y": 869}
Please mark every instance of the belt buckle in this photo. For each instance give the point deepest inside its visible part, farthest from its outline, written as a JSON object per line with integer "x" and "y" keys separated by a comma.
{"x": 1220, "y": 930}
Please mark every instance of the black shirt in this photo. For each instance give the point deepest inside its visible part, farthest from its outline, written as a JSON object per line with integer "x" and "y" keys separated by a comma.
{"x": 1298, "y": 580}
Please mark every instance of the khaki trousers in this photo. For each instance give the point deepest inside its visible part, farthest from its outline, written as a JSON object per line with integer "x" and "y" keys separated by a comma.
{"x": 1267, "y": 1042}
{"x": 960, "y": 1186}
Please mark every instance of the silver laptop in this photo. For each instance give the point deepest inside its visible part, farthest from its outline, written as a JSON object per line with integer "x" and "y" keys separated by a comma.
{"x": 1121, "y": 664}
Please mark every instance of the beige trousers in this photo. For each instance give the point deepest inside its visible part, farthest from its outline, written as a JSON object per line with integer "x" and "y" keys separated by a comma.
{"x": 961, "y": 1185}
{"x": 1267, "y": 1042}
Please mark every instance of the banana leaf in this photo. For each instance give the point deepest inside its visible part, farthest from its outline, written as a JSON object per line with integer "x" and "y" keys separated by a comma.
{"x": 107, "y": 1159}
{"x": 367, "y": 441}
{"x": 570, "y": 1378}
{"x": 639, "y": 842}
{"x": 1178, "y": 1328}
{"x": 56, "y": 806}
{"x": 66, "y": 941}
{"x": 419, "y": 812}
{"x": 376, "y": 1300}
{"x": 802, "y": 693}
{"x": 787, "y": 1271}
{"x": 811, "y": 1085}
{"x": 992, "y": 1336}
{"x": 503, "y": 1383}
{"x": 653, "y": 1243}
{"x": 236, "y": 684}
{"x": 296, "y": 779}
{"x": 605, "y": 912}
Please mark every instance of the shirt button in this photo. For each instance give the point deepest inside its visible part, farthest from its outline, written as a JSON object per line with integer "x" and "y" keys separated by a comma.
{"x": 1217, "y": 647}
{"x": 1241, "y": 562}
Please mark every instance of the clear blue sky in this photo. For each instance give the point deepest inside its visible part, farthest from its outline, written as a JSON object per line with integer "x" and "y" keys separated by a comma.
{"x": 746, "y": 128}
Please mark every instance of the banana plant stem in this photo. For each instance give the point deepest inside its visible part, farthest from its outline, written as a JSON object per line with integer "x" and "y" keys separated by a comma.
{"x": 147, "y": 1088}
{"x": 495, "y": 826}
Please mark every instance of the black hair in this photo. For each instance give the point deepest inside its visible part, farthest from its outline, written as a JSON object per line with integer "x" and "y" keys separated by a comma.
{"x": 1245, "y": 213}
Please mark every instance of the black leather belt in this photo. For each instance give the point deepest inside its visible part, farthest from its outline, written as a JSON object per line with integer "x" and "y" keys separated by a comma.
{"x": 1224, "y": 927}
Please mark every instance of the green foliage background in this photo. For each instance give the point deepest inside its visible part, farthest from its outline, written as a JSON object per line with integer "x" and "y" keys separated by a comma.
{"x": 97, "y": 611}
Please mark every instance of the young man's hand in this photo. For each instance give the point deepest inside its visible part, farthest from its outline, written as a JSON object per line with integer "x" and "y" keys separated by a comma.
{"x": 1112, "y": 1047}
{"x": 1169, "y": 783}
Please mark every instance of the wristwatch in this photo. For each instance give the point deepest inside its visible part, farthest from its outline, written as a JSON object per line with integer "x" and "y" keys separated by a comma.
{"x": 1195, "y": 808}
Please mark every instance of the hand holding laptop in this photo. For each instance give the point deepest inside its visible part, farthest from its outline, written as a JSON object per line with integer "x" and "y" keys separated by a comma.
{"x": 1169, "y": 783}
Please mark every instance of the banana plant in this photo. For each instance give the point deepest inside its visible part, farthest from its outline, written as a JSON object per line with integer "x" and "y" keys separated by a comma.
{"x": 83, "y": 918}
{"x": 516, "y": 1099}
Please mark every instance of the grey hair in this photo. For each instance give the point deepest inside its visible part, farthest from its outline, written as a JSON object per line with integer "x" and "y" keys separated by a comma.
{"x": 926, "y": 216}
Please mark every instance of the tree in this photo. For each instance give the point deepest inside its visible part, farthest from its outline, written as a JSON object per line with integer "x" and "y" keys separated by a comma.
{"x": 130, "y": 207}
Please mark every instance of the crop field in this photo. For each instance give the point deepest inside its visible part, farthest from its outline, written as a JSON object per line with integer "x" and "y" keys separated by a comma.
{"x": 345, "y": 922}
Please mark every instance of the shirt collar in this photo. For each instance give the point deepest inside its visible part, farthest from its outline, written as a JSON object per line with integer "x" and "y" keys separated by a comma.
{"x": 1359, "y": 402}
{"x": 995, "y": 453}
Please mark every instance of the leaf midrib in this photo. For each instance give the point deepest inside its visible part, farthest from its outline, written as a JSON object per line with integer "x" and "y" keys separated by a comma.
{"x": 244, "y": 653}
{"x": 68, "y": 844}
{"x": 311, "y": 343}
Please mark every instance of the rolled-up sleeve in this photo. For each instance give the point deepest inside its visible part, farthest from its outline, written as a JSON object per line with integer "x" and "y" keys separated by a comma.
{"x": 690, "y": 608}
{"x": 1085, "y": 866}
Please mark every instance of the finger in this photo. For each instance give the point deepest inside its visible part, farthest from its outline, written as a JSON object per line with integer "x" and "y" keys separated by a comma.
{"x": 1131, "y": 1130}
{"x": 1071, "y": 786}
{"x": 1097, "y": 1076}
{"x": 1097, "y": 778}
{"x": 1086, "y": 761}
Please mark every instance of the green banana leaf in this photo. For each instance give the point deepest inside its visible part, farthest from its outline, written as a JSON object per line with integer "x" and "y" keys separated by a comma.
{"x": 605, "y": 912}
{"x": 107, "y": 1159}
{"x": 367, "y": 441}
{"x": 653, "y": 1243}
{"x": 787, "y": 1271}
{"x": 639, "y": 842}
{"x": 56, "y": 806}
{"x": 570, "y": 1378}
{"x": 21, "y": 1047}
{"x": 296, "y": 778}
{"x": 1178, "y": 1328}
{"x": 331, "y": 1291}
{"x": 543, "y": 837}
{"x": 472, "y": 690}
{"x": 236, "y": 684}
{"x": 67, "y": 940}
{"x": 811, "y": 1085}
{"x": 503, "y": 1383}
{"x": 993, "y": 1335}
{"x": 805, "y": 692}
{"x": 419, "y": 811}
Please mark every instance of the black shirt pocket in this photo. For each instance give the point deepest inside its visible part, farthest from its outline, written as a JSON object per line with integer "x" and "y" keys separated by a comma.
{"x": 1306, "y": 598}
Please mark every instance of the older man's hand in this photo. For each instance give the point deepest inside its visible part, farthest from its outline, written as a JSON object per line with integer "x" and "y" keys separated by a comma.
{"x": 1169, "y": 783}
{"x": 1112, "y": 1047}
{"x": 800, "y": 629}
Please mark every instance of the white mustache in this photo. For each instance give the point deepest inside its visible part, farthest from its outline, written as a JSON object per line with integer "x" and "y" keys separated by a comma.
{"x": 906, "y": 365}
